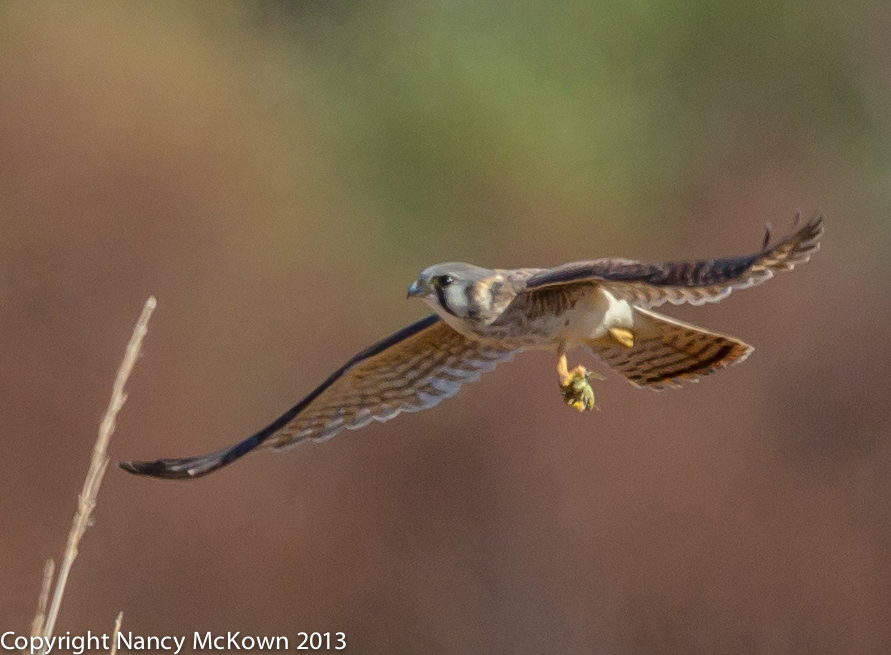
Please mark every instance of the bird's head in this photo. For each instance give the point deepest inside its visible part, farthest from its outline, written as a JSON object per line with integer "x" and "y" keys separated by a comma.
{"x": 455, "y": 290}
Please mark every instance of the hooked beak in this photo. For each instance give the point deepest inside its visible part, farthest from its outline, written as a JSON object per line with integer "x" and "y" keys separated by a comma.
{"x": 416, "y": 290}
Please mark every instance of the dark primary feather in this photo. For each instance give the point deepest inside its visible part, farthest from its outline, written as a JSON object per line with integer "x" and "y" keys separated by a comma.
{"x": 696, "y": 282}
{"x": 690, "y": 273}
{"x": 193, "y": 467}
{"x": 411, "y": 370}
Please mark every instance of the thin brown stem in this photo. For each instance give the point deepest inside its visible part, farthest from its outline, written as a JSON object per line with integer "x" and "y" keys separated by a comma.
{"x": 86, "y": 501}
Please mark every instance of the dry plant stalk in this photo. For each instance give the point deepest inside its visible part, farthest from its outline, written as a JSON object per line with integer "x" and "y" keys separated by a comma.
{"x": 114, "y": 635}
{"x": 86, "y": 501}
{"x": 40, "y": 618}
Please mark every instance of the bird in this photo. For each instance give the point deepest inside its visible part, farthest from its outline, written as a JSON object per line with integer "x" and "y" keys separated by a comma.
{"x": 483, "y": 317}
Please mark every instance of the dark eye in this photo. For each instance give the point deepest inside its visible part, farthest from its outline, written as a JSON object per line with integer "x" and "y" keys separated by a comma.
{"x": 442, "y": 281}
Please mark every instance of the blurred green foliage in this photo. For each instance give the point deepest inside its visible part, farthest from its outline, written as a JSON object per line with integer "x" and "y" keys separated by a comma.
{"x": 478, "y": 121}
{"x": 440, "y": 106}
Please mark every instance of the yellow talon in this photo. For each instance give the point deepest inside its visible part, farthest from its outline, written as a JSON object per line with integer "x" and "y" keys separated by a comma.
{"x": 623, "y": 336}
{"x": 577, "y": 390}
{"x": 575, "y": 385}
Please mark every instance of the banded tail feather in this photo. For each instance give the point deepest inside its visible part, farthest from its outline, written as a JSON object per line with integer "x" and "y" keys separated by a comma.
{"x": 666, "y": 351}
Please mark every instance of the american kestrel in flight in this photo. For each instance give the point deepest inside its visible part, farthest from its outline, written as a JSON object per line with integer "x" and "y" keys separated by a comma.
{"x": 485, "y": 316}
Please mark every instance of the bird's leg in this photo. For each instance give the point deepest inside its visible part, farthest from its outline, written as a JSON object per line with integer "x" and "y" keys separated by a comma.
{"x": 575, "y": 385}
{"x": 622, "y": 336}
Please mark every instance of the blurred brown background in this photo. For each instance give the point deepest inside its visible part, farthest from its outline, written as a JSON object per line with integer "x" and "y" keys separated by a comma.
{"x": 277, "y": 173}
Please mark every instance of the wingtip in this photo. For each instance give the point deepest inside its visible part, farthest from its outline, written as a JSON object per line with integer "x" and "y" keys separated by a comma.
{"x": 190, "y": 468}
{"x": 816, "y": 223}
{"x": 130, "y": 466}
{"x": 810, "y": 234}
{"x": 768, "y": 232}
{"x": 796, "y": 248}
{"x": 163, "y": 468}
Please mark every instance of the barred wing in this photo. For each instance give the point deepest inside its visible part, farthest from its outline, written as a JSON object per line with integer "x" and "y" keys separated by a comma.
{"x": 694, "y": 282}
{"x": 409, "y": 371}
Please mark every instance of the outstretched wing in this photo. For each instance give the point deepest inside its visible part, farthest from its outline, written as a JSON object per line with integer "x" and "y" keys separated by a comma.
{"x": 409, "y": 371}
{"x": 695, "y": 282}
